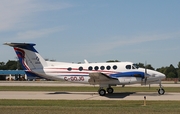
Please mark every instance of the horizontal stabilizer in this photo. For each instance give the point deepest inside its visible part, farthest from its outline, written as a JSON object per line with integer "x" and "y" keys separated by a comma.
{"x": 19, "y": 44}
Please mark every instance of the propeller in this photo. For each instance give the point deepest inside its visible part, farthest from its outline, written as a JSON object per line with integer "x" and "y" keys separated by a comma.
{"x": 146, "y": 75}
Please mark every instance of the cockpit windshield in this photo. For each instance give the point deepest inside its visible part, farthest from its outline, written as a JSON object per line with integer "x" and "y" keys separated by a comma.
{"x": 135, "y": 66}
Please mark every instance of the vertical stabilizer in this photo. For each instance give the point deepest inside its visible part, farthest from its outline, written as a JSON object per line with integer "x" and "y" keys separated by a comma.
{"x": 28, "y": 56}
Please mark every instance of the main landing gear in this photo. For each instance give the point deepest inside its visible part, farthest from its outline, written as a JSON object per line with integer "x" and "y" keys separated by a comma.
{"x": 102, "y": 92}
{"x": 161, "y": 91}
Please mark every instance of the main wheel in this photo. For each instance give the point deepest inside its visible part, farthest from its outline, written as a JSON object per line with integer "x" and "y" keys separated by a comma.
{"x": 161, "y": 91}
{"x": 110, "y": 90}
{"x": 102, "y": 92}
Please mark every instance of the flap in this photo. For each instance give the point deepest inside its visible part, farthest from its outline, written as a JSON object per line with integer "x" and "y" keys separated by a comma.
{"x": 98, "y": 78}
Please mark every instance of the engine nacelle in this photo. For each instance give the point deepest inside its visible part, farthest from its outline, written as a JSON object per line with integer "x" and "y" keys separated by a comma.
{"x": 129, "y": 80}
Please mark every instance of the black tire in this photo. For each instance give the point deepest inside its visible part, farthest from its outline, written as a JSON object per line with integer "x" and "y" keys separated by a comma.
{"x": 161, "y": 91}
{"x": 102, "y": 92}
{"x": 110, "y": 90}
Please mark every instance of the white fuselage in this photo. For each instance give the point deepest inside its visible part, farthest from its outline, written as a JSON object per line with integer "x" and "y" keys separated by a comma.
{"x": 102, "y": 74}
{"x": 79, "y": 73}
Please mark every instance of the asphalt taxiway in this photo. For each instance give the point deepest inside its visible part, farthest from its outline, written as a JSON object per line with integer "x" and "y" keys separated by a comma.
{"x": 63, "y": 83}
{"x": 87, "y": 95}
{"x": 49, "y": 95}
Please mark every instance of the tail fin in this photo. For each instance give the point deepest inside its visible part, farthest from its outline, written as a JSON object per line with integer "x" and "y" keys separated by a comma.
{"x": 28, "y": 56}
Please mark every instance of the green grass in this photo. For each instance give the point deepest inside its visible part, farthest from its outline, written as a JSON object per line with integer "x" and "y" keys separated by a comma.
{"x": 87, "y": 107}
{"x": 84, "y": 89}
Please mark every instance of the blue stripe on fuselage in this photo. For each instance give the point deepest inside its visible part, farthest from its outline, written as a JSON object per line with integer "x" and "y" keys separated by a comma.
{"x": 128, "y": 74}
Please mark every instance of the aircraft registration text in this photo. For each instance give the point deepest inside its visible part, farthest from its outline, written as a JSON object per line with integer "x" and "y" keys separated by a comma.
{"x": 74, "y": 78}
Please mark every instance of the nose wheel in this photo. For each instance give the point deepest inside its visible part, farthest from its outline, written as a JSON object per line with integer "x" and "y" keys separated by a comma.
{"x": 161, "y": 91}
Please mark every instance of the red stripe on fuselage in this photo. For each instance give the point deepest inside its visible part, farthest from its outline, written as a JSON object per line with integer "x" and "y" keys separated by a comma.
{"x": 83, "y": 70}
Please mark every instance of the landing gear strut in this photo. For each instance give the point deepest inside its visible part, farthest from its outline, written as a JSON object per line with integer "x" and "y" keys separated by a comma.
{"x": 161, "y": 91}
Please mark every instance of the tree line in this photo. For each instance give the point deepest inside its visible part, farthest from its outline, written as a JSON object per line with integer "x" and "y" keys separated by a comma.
{"x": 170, "y": 71}
{"x": 10, "y": 65}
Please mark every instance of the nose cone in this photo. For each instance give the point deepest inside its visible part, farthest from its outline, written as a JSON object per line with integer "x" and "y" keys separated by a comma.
{"x": 157, "y": 74}
{"x": 161, "y": 75}
{"x": 153, "y": 73}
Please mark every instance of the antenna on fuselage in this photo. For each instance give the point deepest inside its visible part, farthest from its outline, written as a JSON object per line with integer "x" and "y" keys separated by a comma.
{"x": 86, "y": 62}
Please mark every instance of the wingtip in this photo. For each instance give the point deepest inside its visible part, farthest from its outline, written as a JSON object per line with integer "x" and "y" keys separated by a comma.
{"x": 6, "y": 43}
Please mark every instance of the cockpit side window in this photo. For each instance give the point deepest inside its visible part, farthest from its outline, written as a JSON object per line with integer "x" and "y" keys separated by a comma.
{"x": 128, "y": 66}
{"x": 135, "y": 66}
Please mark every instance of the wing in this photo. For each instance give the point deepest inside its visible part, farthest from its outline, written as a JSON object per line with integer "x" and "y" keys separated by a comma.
{"x": 99, "y": 78}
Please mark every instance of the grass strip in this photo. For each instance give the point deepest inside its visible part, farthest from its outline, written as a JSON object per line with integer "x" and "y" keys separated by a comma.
{"x": 88, "y": 107}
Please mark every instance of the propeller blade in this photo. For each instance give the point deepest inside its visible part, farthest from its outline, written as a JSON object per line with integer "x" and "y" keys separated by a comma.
{"x": 146, "y": 74}
{"x": 144, "y": 79}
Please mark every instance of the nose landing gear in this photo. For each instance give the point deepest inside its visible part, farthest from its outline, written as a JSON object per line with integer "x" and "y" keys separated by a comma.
{"x": 161, "y": 91}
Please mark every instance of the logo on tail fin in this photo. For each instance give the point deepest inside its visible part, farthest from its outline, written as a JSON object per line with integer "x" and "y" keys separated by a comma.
{"x": 21, "y": 55}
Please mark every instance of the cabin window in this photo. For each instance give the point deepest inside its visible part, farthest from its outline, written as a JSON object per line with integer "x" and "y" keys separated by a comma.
{"x": 80, "y": 68}
{"x": 90, "y": 68}
{"x": 102, "y": 67}
{"x": 69, "y": 69}
{"x": 96, "y": 67}
{"x": 108, "y": 67}
{"x": 128, "y": 66}
{"x": 114, "y": 67}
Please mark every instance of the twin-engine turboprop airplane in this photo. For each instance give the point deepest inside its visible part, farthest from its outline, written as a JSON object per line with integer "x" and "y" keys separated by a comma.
{"x": 103, "y": 74}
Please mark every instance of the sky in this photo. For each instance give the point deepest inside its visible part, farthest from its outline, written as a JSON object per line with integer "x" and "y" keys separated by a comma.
{"x": 96, "y": 30}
